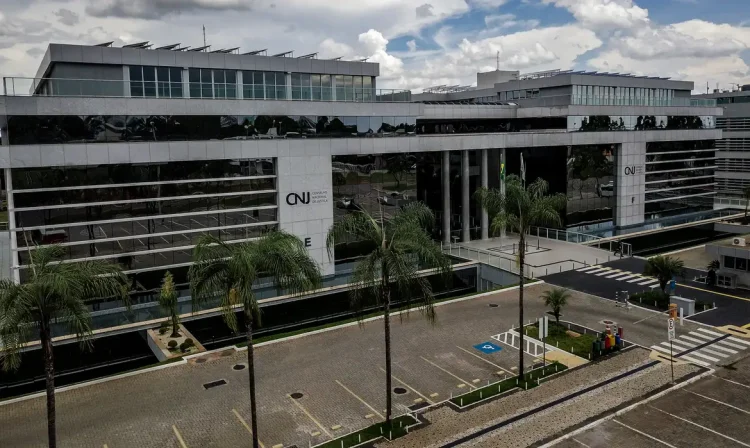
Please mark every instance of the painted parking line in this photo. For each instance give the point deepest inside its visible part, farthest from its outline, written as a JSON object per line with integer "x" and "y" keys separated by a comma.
{"x": 700, "y": 426}
{"x": 643, "y": 434}
{"x": 317, "y": 423}
{"x": 719, "y": 401}
{"x": 730, "y": 381}
{"x": 463, "y": 381}
{"x": 485, "y": 360}
{"x": 244, "y": 423}
{"x": 409, "y": 387}
{"x": 179, "y": 436}
{"x": 360, "y": 399}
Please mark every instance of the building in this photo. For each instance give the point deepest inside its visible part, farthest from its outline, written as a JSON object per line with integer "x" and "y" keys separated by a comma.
{"x": 733, "y": 150}
{"x": 733, "y": 257}
{"x": 130, "y": 154}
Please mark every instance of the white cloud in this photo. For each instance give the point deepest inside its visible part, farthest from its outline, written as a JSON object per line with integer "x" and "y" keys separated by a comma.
{"x": 412, "y": 45}
{"x": 503, "y": 21}
{"x": 488, "y": 4}
{"x": 604, "y": 14}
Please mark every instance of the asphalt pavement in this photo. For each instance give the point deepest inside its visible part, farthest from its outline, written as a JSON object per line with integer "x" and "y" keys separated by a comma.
{"x": 604, "y": 280}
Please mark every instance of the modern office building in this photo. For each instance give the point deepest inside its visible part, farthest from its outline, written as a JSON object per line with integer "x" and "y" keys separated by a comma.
{"x": 130, "y": 154}
{"x": 733, "y": 150}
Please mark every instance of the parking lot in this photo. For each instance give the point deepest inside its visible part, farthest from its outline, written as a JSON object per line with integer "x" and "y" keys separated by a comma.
{"x": 712, "y": 412}
{"x": 310, "y": 389}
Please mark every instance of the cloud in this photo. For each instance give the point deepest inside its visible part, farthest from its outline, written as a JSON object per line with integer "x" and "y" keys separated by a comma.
{"x": 35, "y": 52}
{"x": 424, "y": 10}
{"x": 604, "y": 14}
{"x": 487, "y": 4}
{"x": 501, "y": 21}
{"x": 67, "y": 17}
{"x": 412, "y": 45}
{"x": 155, "y": 9}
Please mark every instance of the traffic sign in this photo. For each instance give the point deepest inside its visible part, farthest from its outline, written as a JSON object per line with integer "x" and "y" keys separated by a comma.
{"x": 670, "y": 329}
{"x": 488, "y": 347}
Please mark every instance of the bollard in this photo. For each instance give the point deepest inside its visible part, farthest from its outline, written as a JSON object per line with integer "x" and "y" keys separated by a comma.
{"x": 390, "y": 435}
{"x": 462, "y": 402}
{"x": 560, "y": 268}
{"x": 545, "y": 271}
{"x": 714, "y": 305}
{"x": 527, "y": 386}
{"x": 655, "y": 304}
{"x": 359, "y": 437}
{"x": 480, "y": 394}
{"x": 342, "y": 443}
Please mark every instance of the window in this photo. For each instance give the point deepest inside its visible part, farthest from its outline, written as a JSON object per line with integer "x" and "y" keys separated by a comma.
{"x": 740, "y": 264}
{"x": 225, "y": 84}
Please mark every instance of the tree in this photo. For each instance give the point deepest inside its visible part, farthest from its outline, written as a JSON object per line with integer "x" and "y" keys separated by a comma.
{"x": 168, "y": 301}
{"x": 400, "y": 248}
{"x": 556, "y": 299}
{"x": 712, "y": 267}
{"x": 55, "y": 292}
{"x": 520, "y": 208}
{"x": 664, "y": 268}
{"x": 229, "y": 271}
{"x": 746, "y": 197}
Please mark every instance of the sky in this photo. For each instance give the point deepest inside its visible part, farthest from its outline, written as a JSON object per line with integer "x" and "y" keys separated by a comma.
{"x": 418, "y": 43}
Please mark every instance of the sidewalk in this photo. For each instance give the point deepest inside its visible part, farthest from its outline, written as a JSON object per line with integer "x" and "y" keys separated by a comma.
{"x": 448, "y": 426}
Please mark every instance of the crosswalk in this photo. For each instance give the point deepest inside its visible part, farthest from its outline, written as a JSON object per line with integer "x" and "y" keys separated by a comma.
{"x": 714, "y": 350}
{"x": 621, "y": 275}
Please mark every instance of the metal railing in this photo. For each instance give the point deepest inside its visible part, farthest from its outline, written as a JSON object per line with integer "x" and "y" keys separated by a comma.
{"x": 17, "y": 86}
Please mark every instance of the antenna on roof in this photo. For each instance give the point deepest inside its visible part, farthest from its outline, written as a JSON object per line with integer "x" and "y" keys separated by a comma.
{"x": 204, "y": 35}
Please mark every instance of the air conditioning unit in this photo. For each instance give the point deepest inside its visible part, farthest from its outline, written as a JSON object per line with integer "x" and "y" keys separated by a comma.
{"x": 738, "y": 241}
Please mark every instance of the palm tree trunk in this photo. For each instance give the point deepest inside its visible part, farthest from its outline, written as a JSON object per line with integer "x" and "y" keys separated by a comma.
{"x": 521, "y": 256}
{"x": 49, "y": 372}
{"x": 388, "y": 379}
{"x": 251, "y": 377}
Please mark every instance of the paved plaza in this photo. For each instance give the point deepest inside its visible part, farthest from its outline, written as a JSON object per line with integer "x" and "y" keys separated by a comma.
{"x": 338, "y": 372}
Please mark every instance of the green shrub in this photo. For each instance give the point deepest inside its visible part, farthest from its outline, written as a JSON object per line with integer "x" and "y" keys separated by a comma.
{"x": 189, "y": 343}
{"x": 184, "y": 347}
{"x": 650, "y": 297}
{"x": 172, "y": 344}
{"x": 164, "y": 327}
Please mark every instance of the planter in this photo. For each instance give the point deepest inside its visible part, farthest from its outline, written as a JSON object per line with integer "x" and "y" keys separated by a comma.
{"x": 159, "y": 344}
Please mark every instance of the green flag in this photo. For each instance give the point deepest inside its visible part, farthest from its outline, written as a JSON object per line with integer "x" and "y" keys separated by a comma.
{"x": 502, "y": 171}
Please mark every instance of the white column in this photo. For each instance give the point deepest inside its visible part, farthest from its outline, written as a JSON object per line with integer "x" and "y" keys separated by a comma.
{"x": 185, "y": 83}
{"x": 446, "y": 182}
{"x": 15, "y": 274}
{"x": 239, "y": 78}
{"x": 288, "y": 82}
{"x": 485, "y": 184}
{"x": 465, "y": 206}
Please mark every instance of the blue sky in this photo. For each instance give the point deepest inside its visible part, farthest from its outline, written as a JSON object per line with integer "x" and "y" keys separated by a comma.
{"x": 417, "y": 42}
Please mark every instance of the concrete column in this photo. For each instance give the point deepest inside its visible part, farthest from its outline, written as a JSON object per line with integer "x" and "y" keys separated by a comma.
{"x": 239, "y": 81}
{"x": 12, "y": 257}
{"x": 465, "y": 206}
{"x": 485, "y": 183}
{"x": 185, "y": 83}
{"x": 446, "y": 182}
{"x": 288, "y": 82}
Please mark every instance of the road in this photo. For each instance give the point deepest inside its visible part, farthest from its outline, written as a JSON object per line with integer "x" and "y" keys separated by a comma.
{"x": 733, "y": 306}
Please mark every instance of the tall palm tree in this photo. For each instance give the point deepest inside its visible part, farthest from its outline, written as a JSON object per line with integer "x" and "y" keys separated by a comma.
{"x": 168, "y": 301}
{"x": 228, "y": 271}
{"x": 520, "y": 208}
{"x": 54, "y": 292}
{"x": 664, "y": 268}
{"x": 556, "y": 299}
{"x": 400, "y": 246}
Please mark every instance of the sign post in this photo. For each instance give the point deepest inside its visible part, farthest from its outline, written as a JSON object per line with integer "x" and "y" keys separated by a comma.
{"x": 670, "y": 336}
{"x": 543, "y": 331}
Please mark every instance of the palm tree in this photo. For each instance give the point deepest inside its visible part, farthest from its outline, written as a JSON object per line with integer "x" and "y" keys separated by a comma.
{"x": 664, "y": 268}
{"x": 168, "y": 301}
{"x": 520, "y": 208}
{"x": 400, "y": 245}
{"x": 746, "y": 197}
{"x": 556, "y": 299}
{"x": 54, "y": 292}
{"x": 229, "y": 271}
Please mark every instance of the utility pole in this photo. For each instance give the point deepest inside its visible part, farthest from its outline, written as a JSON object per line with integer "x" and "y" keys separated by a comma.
{"x": 204, "y": 35}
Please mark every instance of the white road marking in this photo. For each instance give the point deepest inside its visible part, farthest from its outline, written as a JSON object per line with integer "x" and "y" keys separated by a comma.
{"x": 703, "y": 349}
{"x": 713, "y": 346}
{"x": 608, "y": 271}
{"x": 579, "y": 442}
{"x": 644, "y": 434}
{"x": 730, "y": 381}
{"x": 701, "y": 426}
{"x": 619, "y": 274}
{"x": 599, "y": 270}
{"x": 732, "y": 344}
{"x": 648, "y": 282}
{"x": 686, "y": 358}
{"x": 719, "y": 401}
{"x": 741, "y": 341}
{"x": 637, "y": 279}
{"x": 628, "y": 277}
{"x": 694, "y": 353}
{"x": 588, "y": 268}
{"x": 712, "y": 333}
{"x": 702, "y": 336}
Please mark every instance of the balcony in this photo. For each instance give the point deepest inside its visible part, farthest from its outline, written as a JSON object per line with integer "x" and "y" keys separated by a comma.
{"x": 60, "y": 87}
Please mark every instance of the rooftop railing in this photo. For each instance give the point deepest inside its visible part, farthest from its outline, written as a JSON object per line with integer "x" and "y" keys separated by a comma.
{"x": 588, "y": 100}
{"x": 60, "y": 87}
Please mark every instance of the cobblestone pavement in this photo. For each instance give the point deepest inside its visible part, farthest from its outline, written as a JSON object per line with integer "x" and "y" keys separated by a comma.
{"x": 338, "y": 372}
{"x": 712, "y": 412}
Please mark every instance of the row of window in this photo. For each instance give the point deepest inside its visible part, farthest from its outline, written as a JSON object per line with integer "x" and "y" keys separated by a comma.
{"x": 736, "y": 263}
{"x": 733, "y": 99}
{"x": 55, "y": 216}
{"x": 594, "y": 123}
{"x": 103, "y": 175}
{"x": 595, "y": 95}
{"x": 51, "y": 129}
{"x": 489, "y": 125}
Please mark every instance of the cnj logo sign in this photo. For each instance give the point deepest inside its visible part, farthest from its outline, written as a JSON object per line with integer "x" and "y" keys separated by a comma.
{"x": 307, "y": 197}
{"x": 298, "y": 198}
{"x": 633, "y": 170}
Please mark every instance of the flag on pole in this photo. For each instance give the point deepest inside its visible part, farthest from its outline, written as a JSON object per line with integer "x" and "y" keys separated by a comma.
{"x": 502, "y": 171}
{"x": 523, "y": 170}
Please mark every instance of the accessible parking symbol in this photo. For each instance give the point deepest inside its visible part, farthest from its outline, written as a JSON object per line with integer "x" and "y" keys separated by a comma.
{"x": 488, "y": 347}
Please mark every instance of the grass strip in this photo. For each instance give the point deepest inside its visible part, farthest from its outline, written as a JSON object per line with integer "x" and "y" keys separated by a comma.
{"x": 396, "y": 430}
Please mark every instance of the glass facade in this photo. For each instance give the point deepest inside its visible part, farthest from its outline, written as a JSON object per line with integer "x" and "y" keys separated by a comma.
{"x": 55, "y": 129}
{"x": 152, "y": 82}
{"x": 594, "y": 123}
{"x": 143, "y": 216}
{"x": 590, "y": 184}
{"x": 679, "y": 177}
{"x": 461, "y": 126}
{"x": 625, "y": 96}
